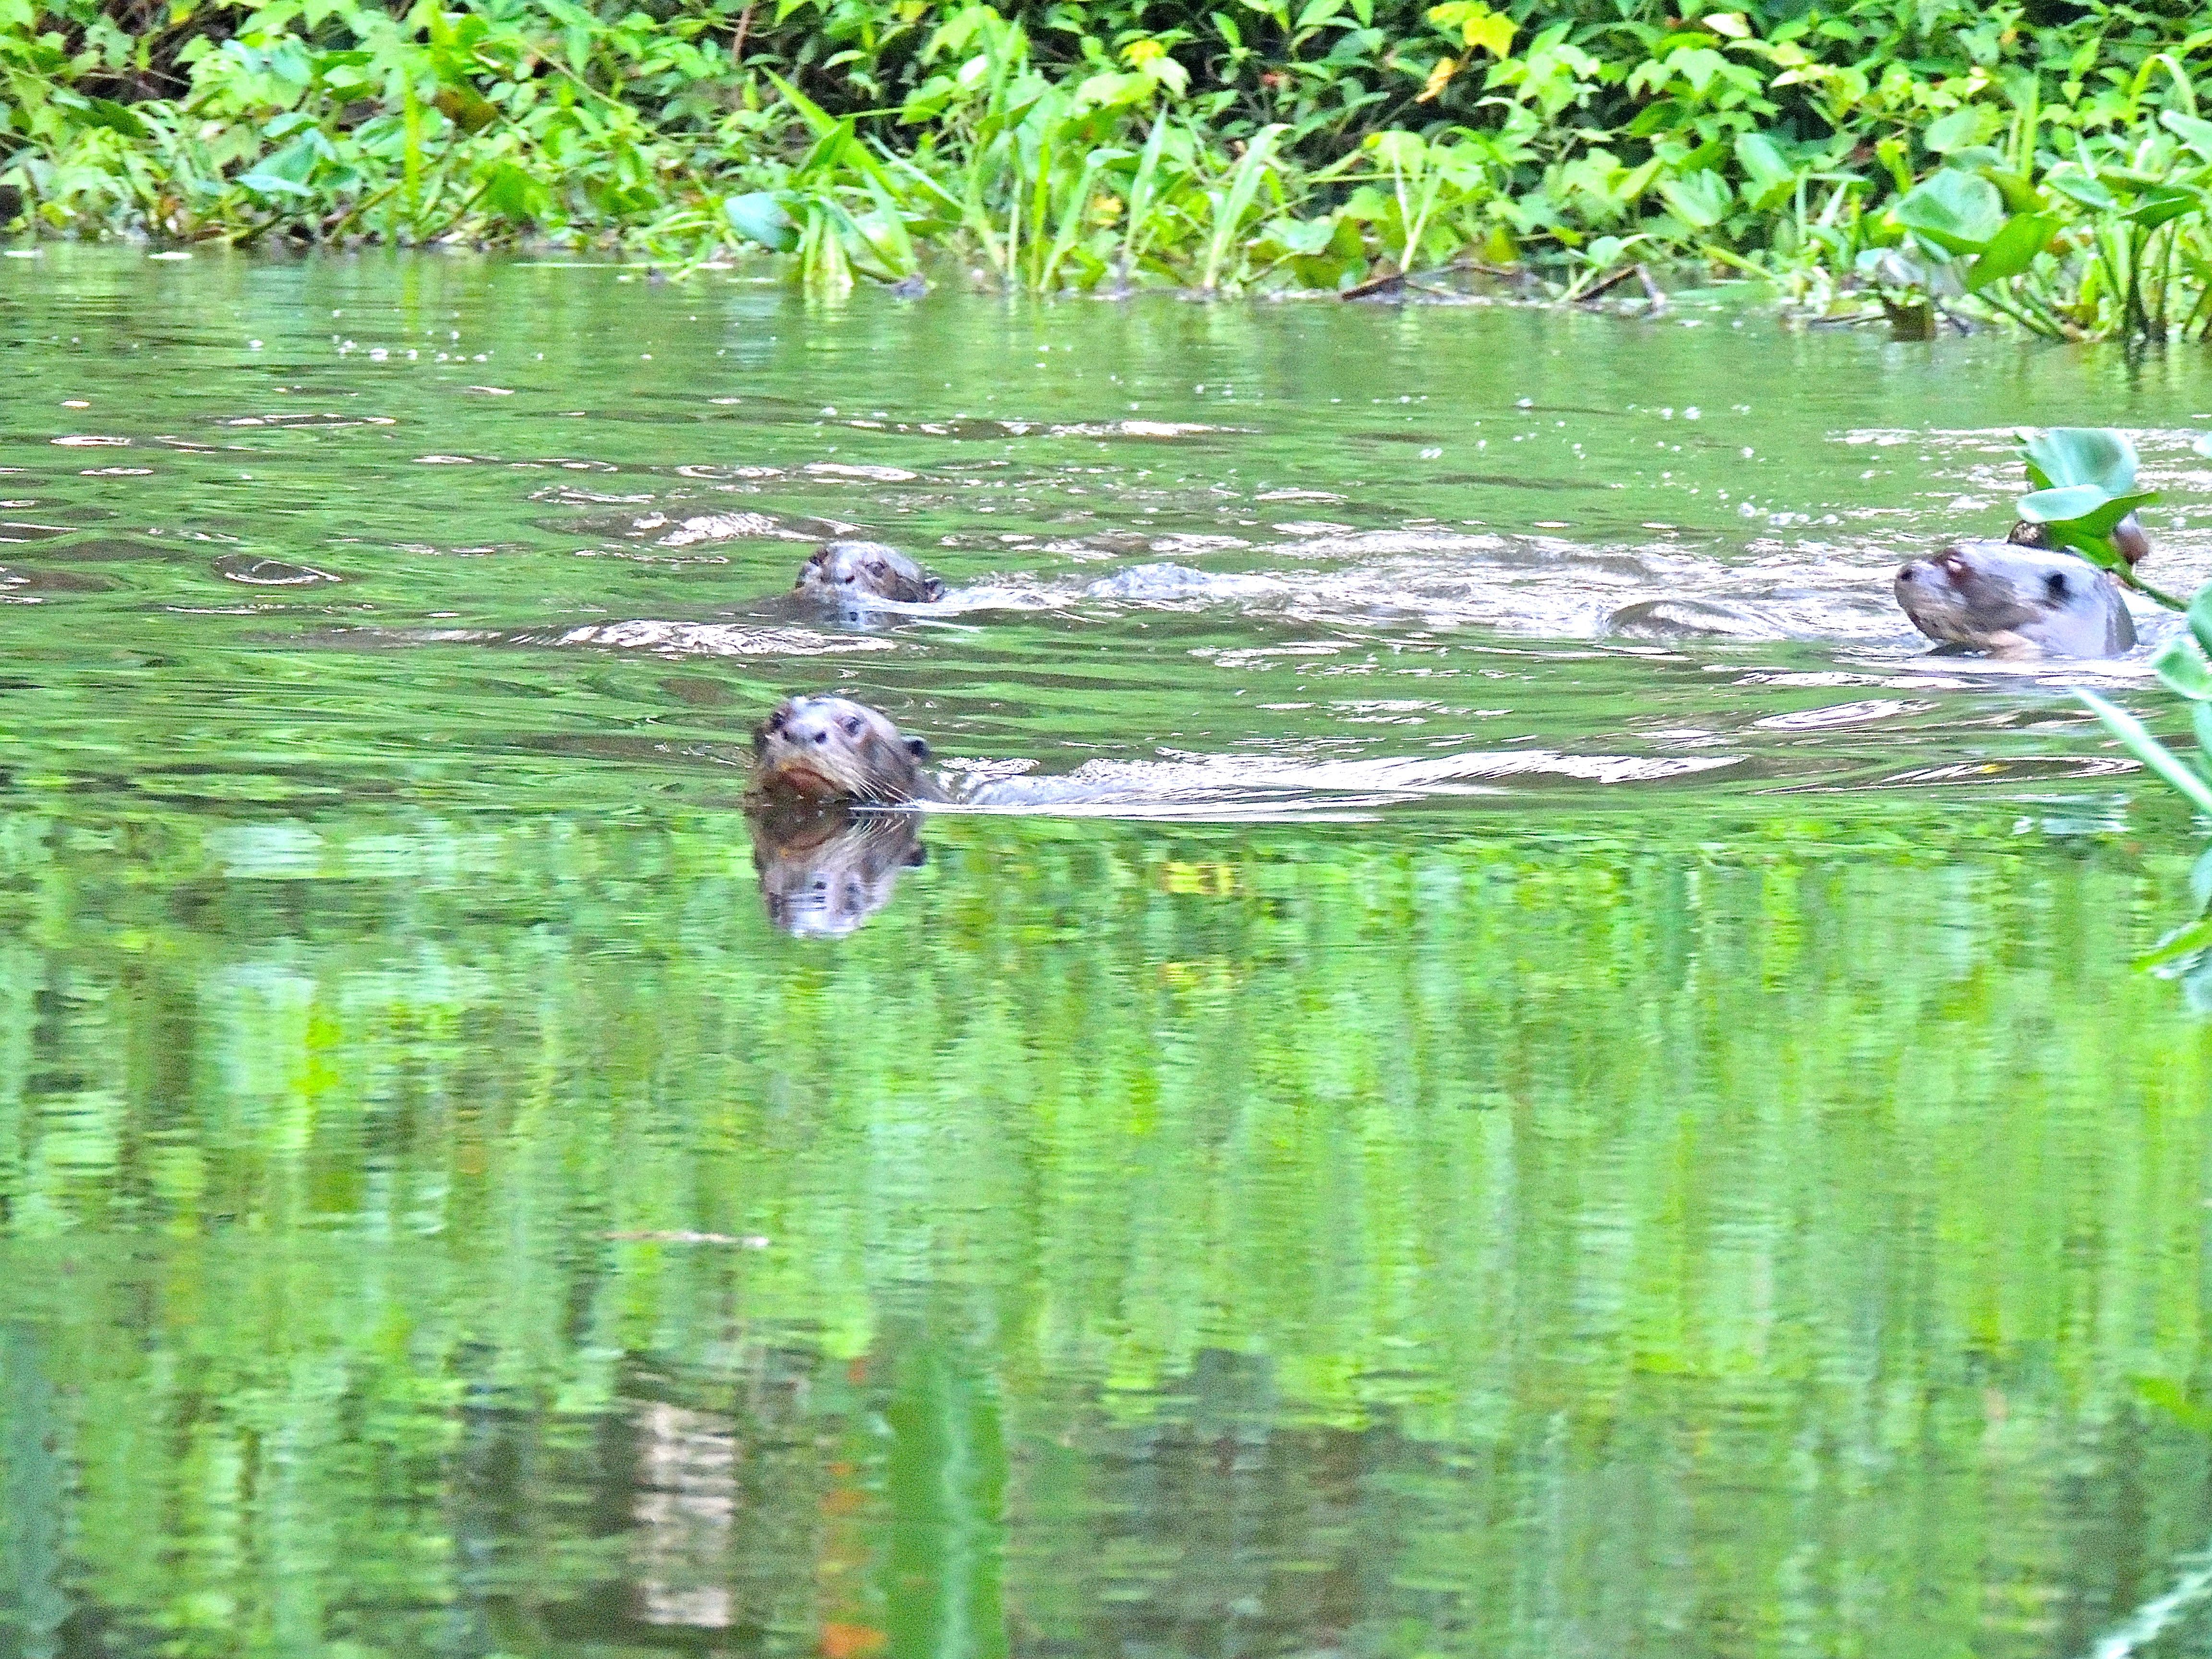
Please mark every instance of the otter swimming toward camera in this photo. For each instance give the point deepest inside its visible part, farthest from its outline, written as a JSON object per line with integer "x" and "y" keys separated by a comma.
{"x": 846, "y": 572}
{"x": 2013, "y": 599}
{"x": 832, "y": 749}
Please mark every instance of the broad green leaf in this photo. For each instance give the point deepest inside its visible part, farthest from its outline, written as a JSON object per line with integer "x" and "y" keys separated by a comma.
{"x": 2013, "y": 249}
{"x": 1769, "y": 176}
{"x": 117, "y": 118}
{"x": 270, "y": 184}
{"x": 2084, "y": 455}
{"x": 2019, "y": 191}
{"x": 1701, "y": 199}
{"x": 2137, "y": 739}
{"x": 2084, "y": 507}
{"x": 1492, "y": 32}
{"x": 2181, "y": 669}
{"x": 2162, "y": 204}
{"x": 1956, "y": 211}
{"x": 2193, "y": 132}
{"x": 2081, "y": 188}
{"x": 1960, "y": 128}
{"x": 761, "y": 216}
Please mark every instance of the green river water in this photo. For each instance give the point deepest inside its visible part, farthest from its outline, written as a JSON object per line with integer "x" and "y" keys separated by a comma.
{"x": 1442, "y": 1127}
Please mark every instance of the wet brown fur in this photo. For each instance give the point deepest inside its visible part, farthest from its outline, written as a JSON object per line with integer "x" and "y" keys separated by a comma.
{"x": 832, "y": 749}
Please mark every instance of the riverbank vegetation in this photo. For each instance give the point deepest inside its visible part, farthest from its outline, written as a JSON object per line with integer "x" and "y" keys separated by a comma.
{"x": 2044, "y": 163}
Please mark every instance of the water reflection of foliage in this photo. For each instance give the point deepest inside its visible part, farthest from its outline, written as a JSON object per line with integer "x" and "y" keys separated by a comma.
{"x": 1634, "y": 1216}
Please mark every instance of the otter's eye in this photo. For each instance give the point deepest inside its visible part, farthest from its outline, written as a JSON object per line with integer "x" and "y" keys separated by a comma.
{"x": 852, "y": 724}
{"x": 1956, "y": 568}
{"x": 2055, "y": 581}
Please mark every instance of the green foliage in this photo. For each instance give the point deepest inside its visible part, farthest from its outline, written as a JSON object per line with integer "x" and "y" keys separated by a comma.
{"x": 2084, "y": 480}
{"x": 2051, "y": 172}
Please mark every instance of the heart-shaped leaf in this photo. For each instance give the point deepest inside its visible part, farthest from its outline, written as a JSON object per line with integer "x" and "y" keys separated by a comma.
{"x": 2083, "y": 455}
{"x": 1956, "y": 211}
{"x": 2162, "y": 204}
{"x": 1699, "y": 199}
{"x": 2081, "y": 188}
{"x": 1953, "y": 132}
{"x": 2013, "y": 249}
{"x": 2083, "y": 507}
{"x": 761, "y": 217}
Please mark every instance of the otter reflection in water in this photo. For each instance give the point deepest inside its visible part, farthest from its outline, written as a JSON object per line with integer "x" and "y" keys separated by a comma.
{"x": 824, "y": 868}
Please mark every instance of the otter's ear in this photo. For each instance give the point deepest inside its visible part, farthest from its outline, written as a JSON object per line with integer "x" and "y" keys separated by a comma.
{"x": 933, "y": 589}
{"x": 917, "y": 748}
{"x": 917, "y": 857}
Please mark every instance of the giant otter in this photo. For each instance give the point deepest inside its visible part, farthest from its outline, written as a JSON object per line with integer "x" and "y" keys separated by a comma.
{"x": 2013, "y": 599}
{"x": 832, "y": 749}
{"x": 851, "y": 573}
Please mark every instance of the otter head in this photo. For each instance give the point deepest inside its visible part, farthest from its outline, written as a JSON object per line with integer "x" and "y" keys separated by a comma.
{"x": 832, "y": 749}
{"x": 2007, "y": 598}
{"x": 848, "y": 572}
{"x": 2128, "y": 538}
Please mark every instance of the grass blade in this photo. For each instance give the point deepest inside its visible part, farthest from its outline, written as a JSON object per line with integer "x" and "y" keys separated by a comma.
{"x": 2136, "y": 737}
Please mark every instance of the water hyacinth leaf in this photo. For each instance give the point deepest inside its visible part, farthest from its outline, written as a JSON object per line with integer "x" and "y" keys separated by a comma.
{"x": 2081, "y": 188}
{"x": 2163, "y": 203}
{"x": 2137, "y": 739}
{"x": 2085, "y": 509}
{"x": 1700, "y": 199}
{"x": 761, "y": 216}
{"x": 1956, "y": 211}
{"x": 263, "y": 183}
{"x": 2182, "y": 670}
{"x": 1767, "y": 175}
{"x": 2200, "y": 722}
{"x": 1957, "y": 129}
{"x": 2013, "y": 249}
{"x": 2082, "y": 455}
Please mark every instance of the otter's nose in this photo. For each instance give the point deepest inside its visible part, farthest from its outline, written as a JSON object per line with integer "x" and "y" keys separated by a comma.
{"x": 1904, "y": 573}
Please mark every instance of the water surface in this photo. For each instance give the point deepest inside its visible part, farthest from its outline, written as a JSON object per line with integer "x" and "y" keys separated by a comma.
{"x": 1461, "y": 1133}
